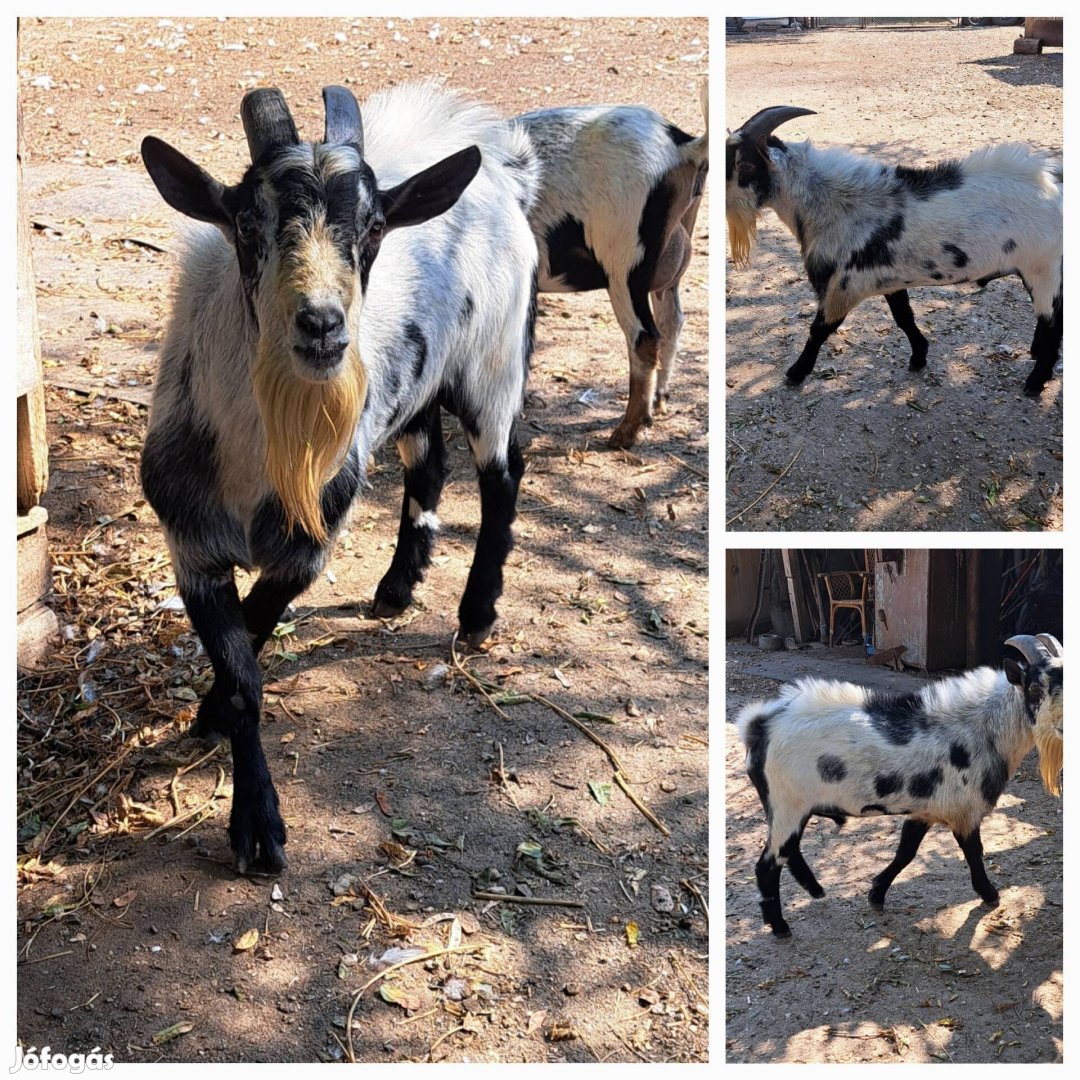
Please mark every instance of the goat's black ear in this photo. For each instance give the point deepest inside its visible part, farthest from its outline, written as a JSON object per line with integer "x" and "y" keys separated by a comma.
{"x": 1014, "y": 672}
{"x": 185, "y": 186}
{"x": 431, "y": 192}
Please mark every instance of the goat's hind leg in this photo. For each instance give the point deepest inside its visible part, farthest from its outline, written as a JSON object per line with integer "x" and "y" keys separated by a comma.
{"x": 630, "y": 302}
{"x": 423, "y": 454}
{"x": 911, "y": 836}
{"x": 800, "y": 871}
{"x": 1046, "y": 345}
{"x": 900, "y": 306}
{"x": 768, "y": 881}
{"x": 669, "y": 321}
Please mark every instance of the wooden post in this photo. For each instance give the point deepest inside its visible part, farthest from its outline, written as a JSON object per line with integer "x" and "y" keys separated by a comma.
{"x": 36, "y": 623}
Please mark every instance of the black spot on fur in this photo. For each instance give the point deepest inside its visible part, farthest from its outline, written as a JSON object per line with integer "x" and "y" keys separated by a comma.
{"x": 923, "y": 785}
{"x": 876, "y": 251}
{"x": 844, "y": 282}
{"x": 467, "y": 309}
{"x": 922, "y": 183}
{"x": 994, "y": 779}
{"x": 1009, "y": 245}
{"x": 896, "y": 717}
{"x": 874, "y": 808}
{"x": 678, "y": 136}
{"x": 929, "y": 264}
{"x": 819, "y": 271}
{"x": 959, "y": 256}
{"x": 831, "y": 769}
{"x": 651, "y": 234}
{"x": 888, "y": 784}
{"x": 836, "y": 813}
{"x": 530, "y": 325}
{"x": 757, "y": 747}
{"x": 958, "y": 756}
{"x": 938, "y": 276}
{"x": 570, "y": 258}
{"x": 415, "y": 336}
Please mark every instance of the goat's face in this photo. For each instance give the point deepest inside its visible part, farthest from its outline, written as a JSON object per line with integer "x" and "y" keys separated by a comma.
{"x": 750, "y": 172}
{"x": 306, "y": 222}
{"x": 1042, "y": 681}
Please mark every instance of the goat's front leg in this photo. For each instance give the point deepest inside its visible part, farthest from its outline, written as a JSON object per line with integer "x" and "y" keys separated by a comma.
{"x": 1046, "y": 344}
{"x": 900, "y": 306}
{"x": 819, "y": 331}
{"x": 499, "y": 478}
{"x": 424, "y": 457}
{"x": 232, "y": 707}
{"x": 971, "y": 846}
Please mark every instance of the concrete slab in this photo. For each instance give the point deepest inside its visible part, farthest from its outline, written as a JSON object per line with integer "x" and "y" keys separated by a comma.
{"x": 841, "y": 662}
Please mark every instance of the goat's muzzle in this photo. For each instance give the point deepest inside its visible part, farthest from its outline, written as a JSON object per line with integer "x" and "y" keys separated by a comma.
{"x": 321, "y": 337}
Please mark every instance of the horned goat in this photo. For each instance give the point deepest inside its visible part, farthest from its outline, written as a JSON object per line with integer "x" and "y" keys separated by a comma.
{"x": 619, "y": 196}
{"x": 306, "y": 331}
{"x": 870, "y": 229}
{"x": 943, "y": 754}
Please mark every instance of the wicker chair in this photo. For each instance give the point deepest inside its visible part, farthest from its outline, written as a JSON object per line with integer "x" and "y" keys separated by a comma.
{"x": 847, "y": 589}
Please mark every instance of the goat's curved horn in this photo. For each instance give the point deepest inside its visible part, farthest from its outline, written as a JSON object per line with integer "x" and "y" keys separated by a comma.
{"x": 343, "y": 124}
{"x": 267, "y": 121}
{"x": 1052, "y": 644}
{"x": 763, "y": 124}
{"x": 1034, "y": 650}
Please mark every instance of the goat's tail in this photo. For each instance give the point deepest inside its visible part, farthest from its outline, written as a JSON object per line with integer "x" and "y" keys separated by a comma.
{"x": 697, "y": 150}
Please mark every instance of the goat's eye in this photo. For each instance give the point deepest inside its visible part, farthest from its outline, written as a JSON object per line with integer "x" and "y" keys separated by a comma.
{"x": 376, "y": 230}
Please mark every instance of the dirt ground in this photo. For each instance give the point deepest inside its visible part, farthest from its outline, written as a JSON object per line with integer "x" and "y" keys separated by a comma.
{"x": 936, "y": 976}
{"x": 864, "y": 444}
{"x": 403, "y": 790}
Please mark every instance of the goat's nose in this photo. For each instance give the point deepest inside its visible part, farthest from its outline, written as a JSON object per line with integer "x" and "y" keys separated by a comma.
{"x": 317, "y": 322}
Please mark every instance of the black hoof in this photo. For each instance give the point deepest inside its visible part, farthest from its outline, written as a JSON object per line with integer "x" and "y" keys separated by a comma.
{"x": 257, "y": 835}
{"x": 1033, "y": 390}
{"x": 782, "y": 931}
{"x": 381, "y": 609}
{"x": 475, "y": 638}
{"x": 817, "y": 893}
{"x": 795, "y": 380}
{"x": 992, "y": 900}
{"x": 877, "y": 905}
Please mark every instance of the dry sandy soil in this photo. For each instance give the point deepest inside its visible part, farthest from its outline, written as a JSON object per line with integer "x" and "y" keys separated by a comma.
{"x": 401, "y": 786}
{"x": 936, "y": 976}
{"x": 866, "y": 444}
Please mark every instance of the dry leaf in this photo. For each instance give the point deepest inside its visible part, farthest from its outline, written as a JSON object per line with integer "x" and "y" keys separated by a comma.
{"x": 247, "y": 940}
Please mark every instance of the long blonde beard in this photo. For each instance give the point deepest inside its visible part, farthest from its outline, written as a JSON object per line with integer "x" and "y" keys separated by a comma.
{"x": 309, "y": 428}
{"x": 742, "y": 234}
{"x": 1051, "y": 755}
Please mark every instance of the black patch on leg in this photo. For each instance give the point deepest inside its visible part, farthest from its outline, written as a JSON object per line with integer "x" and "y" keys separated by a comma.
{"x": 971, "y": 846}
{"x": 651, "y": 230}
{"x": 1008, "y": 246}
{"x": 900, "y": 306}
{"x": 802, "y": 873}
{"x": 232, "y": 707}
{"x": 1045, "y": 347}
{"x": 757, "y": 749}
{"x": 819, "y": 273}
{"x": 498, "y": 508}
{"x": 911, "y": 836}
{"x": 423, "y": 483}
{"x": 530, "y": 324}
{"x": 767, "y": 872}
{"x": 819, "y": 331}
